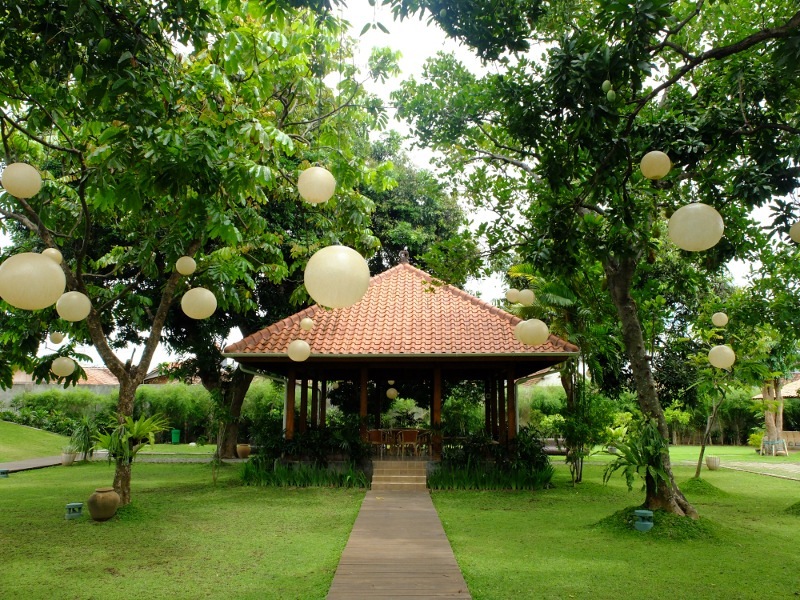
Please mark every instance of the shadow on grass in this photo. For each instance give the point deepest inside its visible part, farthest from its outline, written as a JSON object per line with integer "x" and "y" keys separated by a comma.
{"x": 666, "y": 526}
{"x": 794, "y": 509}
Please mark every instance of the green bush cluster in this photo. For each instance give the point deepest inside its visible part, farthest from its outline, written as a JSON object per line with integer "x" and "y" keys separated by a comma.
{"x": 278, "y": 475}
{"x": 185, "y": 407}
{"x": 476, "y": 463}
{"x": 57, "y": 410}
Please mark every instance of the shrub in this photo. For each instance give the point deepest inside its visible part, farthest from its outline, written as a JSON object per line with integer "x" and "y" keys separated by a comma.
{"x": 755, "y": 438}
{"x": 264, "y": 473}
{"x": 185, "y": 407}
{"x": 461, "y": 417}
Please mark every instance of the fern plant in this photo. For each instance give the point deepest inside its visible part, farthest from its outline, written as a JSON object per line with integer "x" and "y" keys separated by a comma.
{"x": 125, "y": 439}
{"x": 641, "y": 453}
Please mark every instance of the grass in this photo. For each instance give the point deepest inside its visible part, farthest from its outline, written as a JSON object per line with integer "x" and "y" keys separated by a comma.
{"x": 691, "y": 453}
{"x": 18, "y": 442}
{"x": 179, "y": 449}
{"x": 182, "y": 537}
{"x": 578, "y": 543}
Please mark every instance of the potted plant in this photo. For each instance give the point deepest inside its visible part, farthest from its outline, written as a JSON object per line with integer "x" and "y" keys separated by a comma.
{"x": 68, "y": 454}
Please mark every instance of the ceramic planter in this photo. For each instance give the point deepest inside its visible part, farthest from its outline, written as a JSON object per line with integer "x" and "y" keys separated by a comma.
{"x": 243, "y": 450}
{"x": 103, "y": 503}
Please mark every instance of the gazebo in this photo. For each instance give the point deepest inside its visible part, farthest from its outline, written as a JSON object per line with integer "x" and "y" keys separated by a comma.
{"x": 408, "y": 326}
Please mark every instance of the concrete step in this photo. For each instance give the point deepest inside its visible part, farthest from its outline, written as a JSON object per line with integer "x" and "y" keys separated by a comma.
{"x": 382, "y": 471}
{"x": 399, "y": 487}
{"x": 398, "y": 479}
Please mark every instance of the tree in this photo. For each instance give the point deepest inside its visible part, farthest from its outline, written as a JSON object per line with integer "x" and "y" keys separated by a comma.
{"x": 555, "y": 155}
{"x": 149, "y": 153}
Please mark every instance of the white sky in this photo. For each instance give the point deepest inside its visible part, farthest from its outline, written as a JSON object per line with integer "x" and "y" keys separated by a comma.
{"x": 416, "y": 42}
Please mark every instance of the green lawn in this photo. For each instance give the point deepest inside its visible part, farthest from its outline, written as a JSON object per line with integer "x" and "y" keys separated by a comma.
{"x": 179, "y": 449}
{"x": 690, "y": 453}
{"x": 19, "y": 443}
{"x": 182, "y": 537}
{"x": 549, "y": 544}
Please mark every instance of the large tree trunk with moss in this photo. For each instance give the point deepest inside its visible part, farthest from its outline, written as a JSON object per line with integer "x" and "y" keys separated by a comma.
{"x": 122, "y": 472}
{"x": 232, "y": 395}
{"x": 620, "y": 272}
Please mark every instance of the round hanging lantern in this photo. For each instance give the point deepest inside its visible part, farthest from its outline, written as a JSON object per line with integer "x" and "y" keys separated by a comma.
{"x": 532, "y": 332}
{"x": 391, "y": 393}
{"x": 21, "y": 180}
{"x": 199, "y": 303}
{"x": 63, "y": 366}
{"x": 53, "y": 254}
{"x": 696, "y": 227}
{"x": 719, "y": 319}
{"x": 526, "y": 297}
{"x": 655, "y": 165}
{"x": 316, "y": 185}
{"x": 335, "y": 385}
{"x": 721, "y": 357}
{"x": 56, "y": 337}
{"x": 185, "y": 265}
{"x": 73, "y": 306}
{"x": 31, "y": 281}
{"x": 390, "y": 382}
{"x": 306, "y": 324}
{"x": 336, "y": 277}
{"x": 512, "y": 295}
{"x": 299, "y": 350}
{"x": 794, "y": 232}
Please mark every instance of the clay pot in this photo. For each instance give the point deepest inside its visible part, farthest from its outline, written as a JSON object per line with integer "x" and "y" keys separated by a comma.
{"x": 243, "y": 450}
{"x": 712, "y": 462}
{"x": 103, "y": 503}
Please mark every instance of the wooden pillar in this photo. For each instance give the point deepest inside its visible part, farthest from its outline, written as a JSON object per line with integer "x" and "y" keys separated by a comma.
{"x": 495, "y": 432}
{"x": 487, "y": 407}
{"x": 436, "y": 414}
{"x": 314, "y": 403}
{"x": 288, "y": 413}
{"x": 501, "y": 411}
{"x": 512, "y": 407}
{"x": 303, "y": 404}
{"x": 363, "y": 406}
{"x": 323, "y": 402}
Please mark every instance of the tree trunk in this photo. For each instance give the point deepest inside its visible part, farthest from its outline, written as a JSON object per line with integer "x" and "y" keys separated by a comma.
{"x": 122, "y": 473}
{"x": 233, "y": 393}
{"x": 619, "y": 273}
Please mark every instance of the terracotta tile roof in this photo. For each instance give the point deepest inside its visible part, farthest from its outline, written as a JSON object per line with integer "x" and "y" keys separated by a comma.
{"x": 790, "y": 389}
{"x": 94, "y": 376}
{"x": 405, "y": 312}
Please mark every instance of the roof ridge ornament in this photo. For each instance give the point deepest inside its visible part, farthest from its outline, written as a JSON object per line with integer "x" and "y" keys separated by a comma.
{"x": 404, "y": 256}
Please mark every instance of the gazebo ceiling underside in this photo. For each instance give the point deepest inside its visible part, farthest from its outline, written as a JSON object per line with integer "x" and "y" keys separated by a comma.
{"x": 406, "y": 325}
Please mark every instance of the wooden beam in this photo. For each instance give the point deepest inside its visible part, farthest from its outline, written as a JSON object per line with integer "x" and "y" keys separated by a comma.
{"x": 512, "y": 407}
{"x": 436, "y": 414}
{"x": 323, "y": 403}
{"x": 363, "y": 406}
{"x": 288, "y": 412}
{"x": 303, "y": 405}
{"x": 314, "y": 403}
{"x": 501, "y": 411}
{"x": 495, "y": 432}
{"x": 487, "y": 407}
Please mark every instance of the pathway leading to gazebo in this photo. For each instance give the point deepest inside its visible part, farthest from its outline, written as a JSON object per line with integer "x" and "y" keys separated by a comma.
{"x": 398, "y": 549}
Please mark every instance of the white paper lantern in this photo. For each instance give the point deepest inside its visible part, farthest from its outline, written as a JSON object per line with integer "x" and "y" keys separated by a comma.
{"x": 391, "y": 382}
{"x": 31, "y": 281}
{"x": 719, "y": 319}
{"x": 335, "y": 385}
{"x": 532, "y": 332}
{"x": 391, "y": 393}
{"x": 512, "y": 295}
{"x": 696, "y": 227}
{"x": 316, "y": 185}
{"x": 199, "y": 303}
{"x": 794, "y": 232}
{"x": 185, "y": 265}
{"x": 336, "y": 277}
{"x": 73, "y": 306}
{"x": 63, "y": 366}
{"x": 526, "y": 297}
{"x": 299, "y": 350}
{"x": 21, "y": 180}
{"x": 56, "y": 337}
{"x": 53, "y": 254}
{"x": 655, "y": 165}
{"x": 306, "y": 324}
{"x": 721, "y": 357}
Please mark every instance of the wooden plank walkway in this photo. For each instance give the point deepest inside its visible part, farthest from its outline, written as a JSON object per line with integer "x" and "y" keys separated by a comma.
{"x": 398, "y": 549}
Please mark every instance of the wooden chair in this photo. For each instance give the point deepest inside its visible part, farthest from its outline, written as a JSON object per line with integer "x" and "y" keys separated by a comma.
{"x": 375, "y": 439}
{"x": 408, "y": 439}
